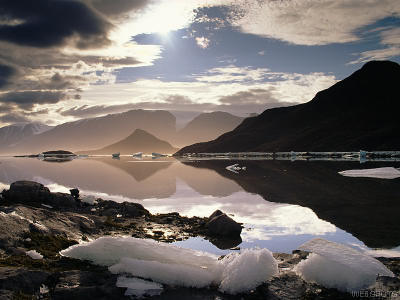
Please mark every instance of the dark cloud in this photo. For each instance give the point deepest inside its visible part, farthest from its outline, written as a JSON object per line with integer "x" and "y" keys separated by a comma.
{"x": 117, "y": 7}
{"x": 6, "y": 72}
{"x": 27, "y": 99}
{"x": 47, "y": 23}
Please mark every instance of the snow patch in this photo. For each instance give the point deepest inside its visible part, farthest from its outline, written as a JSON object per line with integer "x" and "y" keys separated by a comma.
{"x": 172, "y": 265}
{"x": 34, "y": 254}
{"x": 338, "y": 266}
{"x": 383, "y": 173}
{"x": 139, "y": 287}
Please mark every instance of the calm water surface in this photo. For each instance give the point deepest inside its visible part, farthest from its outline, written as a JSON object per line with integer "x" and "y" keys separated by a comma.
{"x": 281, "y": 203}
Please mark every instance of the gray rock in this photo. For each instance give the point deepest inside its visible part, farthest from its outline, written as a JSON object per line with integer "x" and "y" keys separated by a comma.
{"x": 222, "y": 225}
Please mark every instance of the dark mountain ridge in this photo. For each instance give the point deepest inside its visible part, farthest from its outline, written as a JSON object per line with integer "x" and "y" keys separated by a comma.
{"x": 359, "y": 112}
{"x": 138, "y": 141}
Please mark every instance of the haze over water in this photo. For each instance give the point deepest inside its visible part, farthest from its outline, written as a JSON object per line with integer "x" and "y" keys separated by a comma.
{"x": 257, "y": 197}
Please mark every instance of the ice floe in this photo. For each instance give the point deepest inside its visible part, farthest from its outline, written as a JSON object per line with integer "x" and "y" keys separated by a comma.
{"x": 172, "y": 265}
{"x": 338, "y": 266}
{"x": 384, "y": 173}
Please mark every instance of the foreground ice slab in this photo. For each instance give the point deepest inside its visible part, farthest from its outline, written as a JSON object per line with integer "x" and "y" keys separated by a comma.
{"x": 172, "y": 265}
{"x": 384, "y": 173}
{"x": 338, "y": 266}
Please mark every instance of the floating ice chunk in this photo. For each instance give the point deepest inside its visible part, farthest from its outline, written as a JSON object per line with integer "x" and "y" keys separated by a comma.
{"x": 172, "y": 265}
{"x": 139, "y": 287}
{"x": 233, "y": 168}
{"x": 338, "y": 266}
{"x": 34, "y": 254}
{"x": 384, "y": 173}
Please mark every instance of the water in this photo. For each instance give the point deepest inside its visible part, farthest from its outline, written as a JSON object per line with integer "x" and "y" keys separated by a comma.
{"x": 281, "y": 203}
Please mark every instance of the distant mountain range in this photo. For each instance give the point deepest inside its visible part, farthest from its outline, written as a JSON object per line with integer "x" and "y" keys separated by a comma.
{"x": 359, "y": 112}
{"x": 11, "y": 135}
{"x": 96, "y": 133}
{"x": 138, "y": 141}
{"x": 206, "y": 127}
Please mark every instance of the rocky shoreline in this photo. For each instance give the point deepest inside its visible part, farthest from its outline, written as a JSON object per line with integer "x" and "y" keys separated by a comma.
{"x": 33, "y": 218}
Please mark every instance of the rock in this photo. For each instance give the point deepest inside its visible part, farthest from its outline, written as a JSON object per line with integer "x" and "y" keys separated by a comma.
{"x": 26, "y": 281}
{"x": 36, "y": 194}
{"x": 215, "y": 214}
{"x": 87, "y": 285}
{"x": 222, "y": 225}
{"x": 227, "y": 242}
{"x": 133, "y": 209}
{"x": 61, "y": 200}
{"x": 38, "y": 228}
{"x": 74, "y": 193}
{"x": 27, "y": 192}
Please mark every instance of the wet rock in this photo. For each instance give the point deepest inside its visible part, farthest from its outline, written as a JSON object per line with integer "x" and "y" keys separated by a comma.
{"x": 87, "y": 285}
{"x": 228, "y": 242}
{"x": 25, "y": 281}
{"x": 222, "y": 225}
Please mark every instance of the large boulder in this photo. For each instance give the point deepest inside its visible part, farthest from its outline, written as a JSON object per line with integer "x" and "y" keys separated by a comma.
{"x": 36, "y": 194}
{"x": 219, "y": 224}
{"x": 126, "y": 209}
{"x": 27, "y": 192}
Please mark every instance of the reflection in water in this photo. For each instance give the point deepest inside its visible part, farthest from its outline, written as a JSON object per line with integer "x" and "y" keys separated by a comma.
{"x": 199, "y": 188}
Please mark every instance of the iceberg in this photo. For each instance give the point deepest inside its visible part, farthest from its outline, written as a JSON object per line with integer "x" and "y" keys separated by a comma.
{"x": 383, "y": 173}
{"x": 172, "y": 265}
{"x": 338, "y": 266}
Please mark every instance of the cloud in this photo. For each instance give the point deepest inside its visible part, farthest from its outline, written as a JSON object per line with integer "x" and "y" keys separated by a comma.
{"x": 390, "y": 40}
{"x": 203, "y": 42}
{"x": 6, "y": 72}
{"x": 236, "y": 96}
{"x": 46, "y": 23}
{"x": 232, "y": 73}
{"x": 28, "y": 99}
{"x": 309, "y": 22}
{"x": 51, "y": 50}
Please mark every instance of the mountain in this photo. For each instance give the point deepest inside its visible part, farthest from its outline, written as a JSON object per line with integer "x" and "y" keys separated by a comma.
{"x": 138, "y": 141}
{"x": 359, "y": 112}
{"x": 13, "y": 134}
{"x": 94, "y": 133}
{"x": 206, "y": 127}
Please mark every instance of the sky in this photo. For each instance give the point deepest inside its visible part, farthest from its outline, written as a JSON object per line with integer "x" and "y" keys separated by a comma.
{"x": 63, "y": 60}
